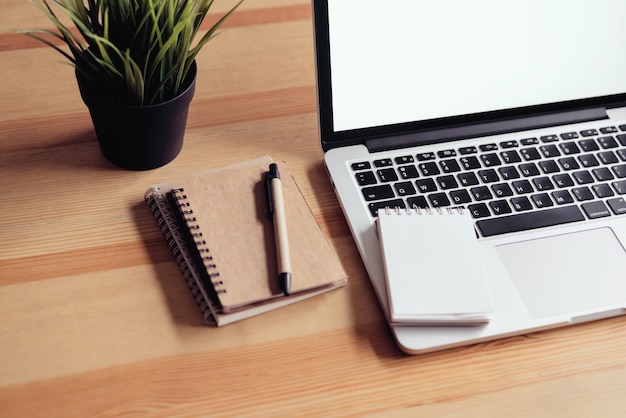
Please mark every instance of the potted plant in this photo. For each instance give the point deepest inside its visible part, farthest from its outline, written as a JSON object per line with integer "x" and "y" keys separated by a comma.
{"x": 135, "y": 67}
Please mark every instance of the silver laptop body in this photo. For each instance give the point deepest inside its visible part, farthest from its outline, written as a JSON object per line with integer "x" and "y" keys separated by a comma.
{"x": 431, "y": 104}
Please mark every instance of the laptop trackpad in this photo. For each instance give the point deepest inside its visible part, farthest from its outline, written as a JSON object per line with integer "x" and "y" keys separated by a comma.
{"x": 567, "y": 273}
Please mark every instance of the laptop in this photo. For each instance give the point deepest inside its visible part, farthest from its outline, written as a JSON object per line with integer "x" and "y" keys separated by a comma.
{"x": 514, "y": 111}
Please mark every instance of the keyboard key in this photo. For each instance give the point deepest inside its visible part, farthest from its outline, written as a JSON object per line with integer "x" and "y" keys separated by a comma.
{"x": 549, "y": 151}
{"x": 396, "y": 203}
{"x": 488, "y": 176}
{"x": 470, "y": 163}
{"x": 542, "y": 200}
{"x": 607, "y": 157}
{"x": 460, "y": 197}
{"x": 620, "y": 171}
{"x": 404, "y": 188}
{"x": 500, "y": 207}
{"x": 588, "y": 145}
{"x": 535, "y": 141}
{"x": 589, "y": 132}
{"x": 621, "y": 153}
{"x": 568, "y": 163}
{"x": 548, "y": 166}
{"x": 622, "y": 139}
{"x": 569, "y": 148}
{"x": 529, "y": 169}
{"x": 582, "y": 177}
{"x": 562, "y": 197}
{"x": 378, "y": 192}
{"x": 364, "y": 165}
{"x": 449, "y": 166}
{"x": 488, "y": 147}
{"x": 468, "y": 150}
{"x": 588, "y": 160}
{"x": 479, "y": 210}
{"x": 617, "y": 205}
{"x": 502, "y": 190}
{"x": 467, "y": 179}
{"x": 510, "y": 157}
{"x": 425, "y": 156}
{"x": 387, "y": 174}
{"x": 365, "y": 178}
{"x": 521, "y": 203}
{"x": 620, "y": 186}
{"x": 490, "y": 160}
{"x": 509, "y": 172}
{"x": 608, "y": 130}
{"x": 582, "y": 193}
{"x": 446, "y": 153}
{"x": 522, "y": 186}
{"x": 602, "y": 174}
{"x": 529, "y": 220}
{"x": 429, "y": 169}
{"x": 595, "y": 210}
{"x": 447, "y": 182}
{"x": 549, "y": 138}
{"x": 417, "y": 202}
{"x": 426, "y": 185}
{"x": 569, "y": 135}
{"x": 607, "y": 142}
{"x": 563, "y": 180}
{"x": 481, "y": 193}
{"x": 543, "y": 183}
{"x": 438, "y": 200}
{"x": 405, "y": 159}
{"x": 385, "y": 162}
{"x": 408, "y": 172}
{"x": 509, "y": 144}
{"x": 602, "y": 190}
{"x": 530, "y": 154}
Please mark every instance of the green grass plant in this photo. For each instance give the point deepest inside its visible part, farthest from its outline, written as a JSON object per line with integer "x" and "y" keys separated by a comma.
{"x": 132, "y": 52}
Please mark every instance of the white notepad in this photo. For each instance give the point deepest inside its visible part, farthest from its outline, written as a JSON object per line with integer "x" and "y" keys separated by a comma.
{"x": 434, "y": 268}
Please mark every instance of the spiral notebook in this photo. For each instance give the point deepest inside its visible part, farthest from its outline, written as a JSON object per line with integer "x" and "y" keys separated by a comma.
{"x": 218, "y": 227}
{"x": 433, "y": 267}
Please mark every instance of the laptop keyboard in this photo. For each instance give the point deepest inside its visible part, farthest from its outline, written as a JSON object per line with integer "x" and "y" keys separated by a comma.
{"x": 508, "y": 186}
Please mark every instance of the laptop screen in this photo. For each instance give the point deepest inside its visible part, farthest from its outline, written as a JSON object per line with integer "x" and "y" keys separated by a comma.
{"x": 402, "y": 65}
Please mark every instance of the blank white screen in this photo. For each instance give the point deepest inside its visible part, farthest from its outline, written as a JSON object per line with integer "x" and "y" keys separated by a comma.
{"x": 400, "y": 61}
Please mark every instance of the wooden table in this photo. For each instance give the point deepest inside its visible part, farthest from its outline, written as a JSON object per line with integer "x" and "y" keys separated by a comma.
{"x": 95, "y": 318}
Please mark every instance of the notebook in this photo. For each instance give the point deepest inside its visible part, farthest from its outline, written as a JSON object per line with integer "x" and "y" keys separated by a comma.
{"x": 435, "y": 281}
{"x": 218, "y": 227}
{"x": 514, "y": 111}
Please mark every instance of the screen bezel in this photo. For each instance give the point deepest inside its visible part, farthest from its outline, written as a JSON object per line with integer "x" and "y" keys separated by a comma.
{"x": 332, "y": 139}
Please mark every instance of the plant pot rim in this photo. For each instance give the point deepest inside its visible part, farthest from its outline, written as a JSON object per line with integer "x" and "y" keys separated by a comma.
{"x": 96, "y": 100}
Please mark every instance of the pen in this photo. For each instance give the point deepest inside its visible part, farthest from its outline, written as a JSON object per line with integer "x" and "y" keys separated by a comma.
{"x": 277, "y": 212}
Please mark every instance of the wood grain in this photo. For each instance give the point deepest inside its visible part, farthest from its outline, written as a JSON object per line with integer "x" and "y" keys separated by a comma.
{"x": 95, "y": 319}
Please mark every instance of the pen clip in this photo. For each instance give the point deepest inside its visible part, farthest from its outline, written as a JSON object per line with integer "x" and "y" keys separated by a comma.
{"x": 269, "y": 176}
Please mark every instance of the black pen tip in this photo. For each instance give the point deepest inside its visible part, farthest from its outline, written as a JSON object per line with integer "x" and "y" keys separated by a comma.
{"x": 285, "y": 282}
{"x": 274, "y": 171}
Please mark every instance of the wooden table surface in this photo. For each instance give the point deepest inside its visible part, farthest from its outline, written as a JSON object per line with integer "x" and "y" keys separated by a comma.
{"x": 95, "y": 318}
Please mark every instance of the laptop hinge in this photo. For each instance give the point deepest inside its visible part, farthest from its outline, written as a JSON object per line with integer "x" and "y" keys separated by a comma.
{"x": 485, "y": 129}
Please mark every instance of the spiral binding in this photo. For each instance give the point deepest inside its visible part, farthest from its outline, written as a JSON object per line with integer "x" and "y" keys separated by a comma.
{"x": 166, "y": 219}
{"x": 191, "y": 221}
{"x": 427, "y": 211}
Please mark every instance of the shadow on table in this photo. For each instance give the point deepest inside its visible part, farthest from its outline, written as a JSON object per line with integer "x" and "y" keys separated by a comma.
{"x": 182, "y": 306}
{"x": 368, "y": 316}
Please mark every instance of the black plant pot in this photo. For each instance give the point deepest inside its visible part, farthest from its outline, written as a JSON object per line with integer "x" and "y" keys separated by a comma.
{"x": 140, "y": 137}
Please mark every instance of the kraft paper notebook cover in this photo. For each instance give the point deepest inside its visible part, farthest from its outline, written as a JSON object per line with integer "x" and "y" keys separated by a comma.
{"x": 433, "y": 267}
{"x": 218, "y": 227}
